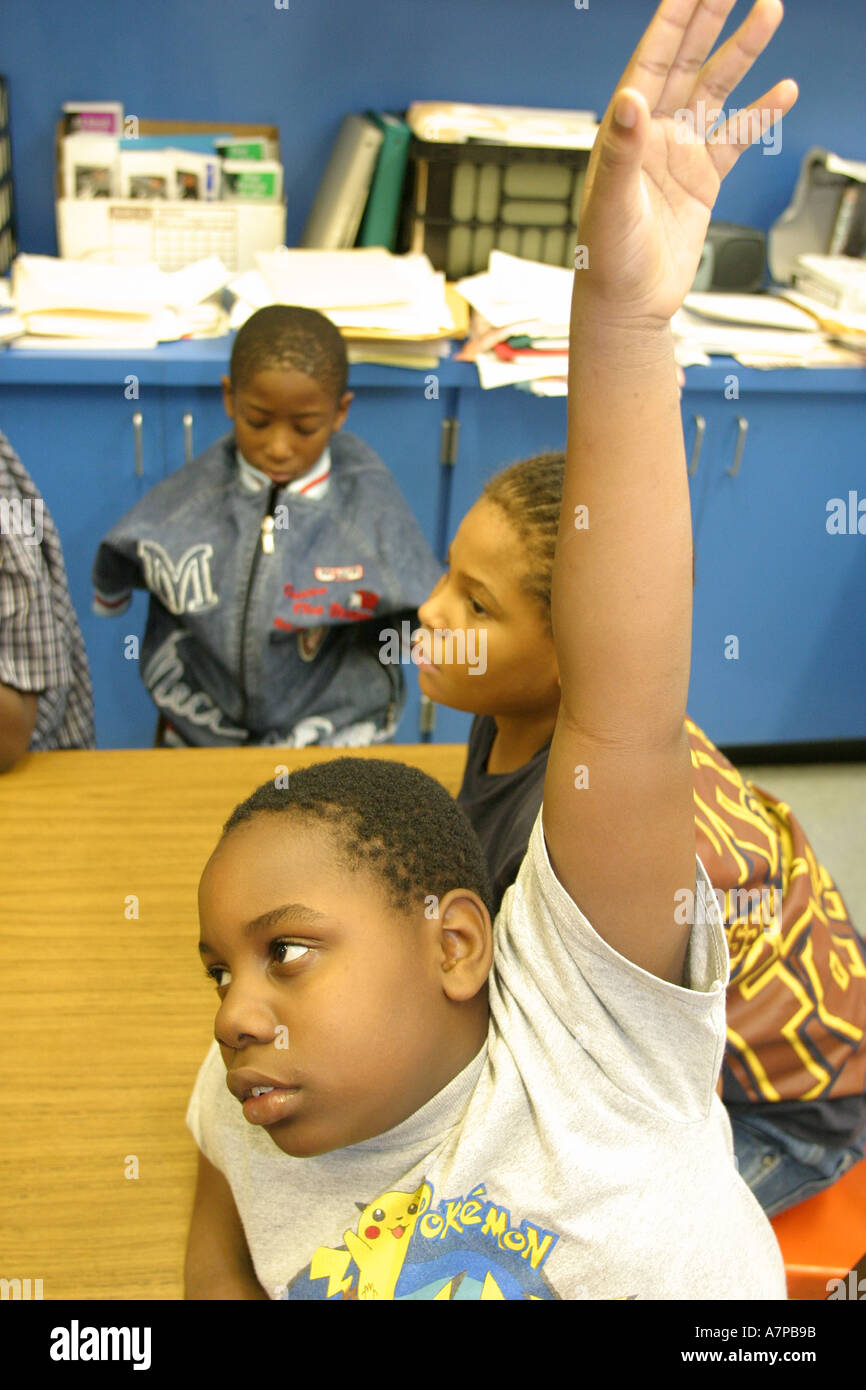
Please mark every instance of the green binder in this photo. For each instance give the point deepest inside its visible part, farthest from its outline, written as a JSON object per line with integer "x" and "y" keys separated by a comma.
{"x": 379, "y": 225}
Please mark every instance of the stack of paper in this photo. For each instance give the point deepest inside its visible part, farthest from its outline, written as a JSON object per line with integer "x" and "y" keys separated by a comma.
{"x": 758, "y": 330}
{"x": 520, "y": 321}
{"x": 389, "y": 308}
{"x": 107, "y": 306}
{"x": 456, "y": 122}
{"x": 521, "y": 313}
{"x": 841, "y": 325}
{"x": 832, "y": 291}
{"x": 839, "y": 281}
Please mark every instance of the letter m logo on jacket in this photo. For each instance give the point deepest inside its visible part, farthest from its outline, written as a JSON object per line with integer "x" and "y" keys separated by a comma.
{"x": 184, "y": 589}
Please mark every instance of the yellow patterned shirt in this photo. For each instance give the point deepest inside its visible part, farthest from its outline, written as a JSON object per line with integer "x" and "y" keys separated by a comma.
{"x": 796, "y": 1002}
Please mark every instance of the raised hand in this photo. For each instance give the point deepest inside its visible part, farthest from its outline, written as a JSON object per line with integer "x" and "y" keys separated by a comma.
{"x": 652, "y": 181}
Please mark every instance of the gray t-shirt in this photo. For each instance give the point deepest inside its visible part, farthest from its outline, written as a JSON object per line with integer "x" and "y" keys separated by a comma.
{"x": 583, "y": 1153}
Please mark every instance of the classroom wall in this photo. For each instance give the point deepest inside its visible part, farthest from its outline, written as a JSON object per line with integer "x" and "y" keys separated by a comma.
{"x": 302, "y": 67}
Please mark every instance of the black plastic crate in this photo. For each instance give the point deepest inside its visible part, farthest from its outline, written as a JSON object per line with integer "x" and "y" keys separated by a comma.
{"x": 462, "y": 201}
{"x": 8, "y": 242}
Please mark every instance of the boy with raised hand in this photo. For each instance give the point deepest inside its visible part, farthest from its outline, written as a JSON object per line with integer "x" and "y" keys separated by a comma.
{"x": 414, "y": 1124}
{"x": 622, "y": 587}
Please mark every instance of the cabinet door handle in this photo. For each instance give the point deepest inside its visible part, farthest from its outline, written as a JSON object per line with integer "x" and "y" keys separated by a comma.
{"x": 448, "y": 441}
{"x": 700, "y": 431}
{"x": 742, "y": 431}
{"x": 427, "y": 715}
{"x": 136, "y": 434}
{"x": 187, "y": 437}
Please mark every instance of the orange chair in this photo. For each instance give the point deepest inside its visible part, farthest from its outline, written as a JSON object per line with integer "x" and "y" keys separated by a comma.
{"x": 824, "y": 1237}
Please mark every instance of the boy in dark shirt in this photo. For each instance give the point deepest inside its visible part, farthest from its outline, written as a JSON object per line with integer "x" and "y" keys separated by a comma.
{"x": 794, "y": 1076}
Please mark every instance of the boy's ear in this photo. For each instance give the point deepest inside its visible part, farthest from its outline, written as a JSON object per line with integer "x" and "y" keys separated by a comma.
{"x": 343, "y": 409}
{"x": 228, "y": 398}
{"x": 465, "y": 944}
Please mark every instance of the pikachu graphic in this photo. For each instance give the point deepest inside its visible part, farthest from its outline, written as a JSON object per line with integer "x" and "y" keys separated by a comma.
{"x": 377, "y": 1246}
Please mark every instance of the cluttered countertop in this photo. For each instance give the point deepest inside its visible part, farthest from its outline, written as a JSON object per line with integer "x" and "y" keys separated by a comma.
{"x": 149, "y": 275}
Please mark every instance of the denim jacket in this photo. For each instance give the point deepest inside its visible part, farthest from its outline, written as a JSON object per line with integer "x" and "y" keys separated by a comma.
{"x": 259, "y": 629}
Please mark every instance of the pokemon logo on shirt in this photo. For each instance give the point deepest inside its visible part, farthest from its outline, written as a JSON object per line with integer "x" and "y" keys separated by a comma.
{"x": 464, "y": 1249}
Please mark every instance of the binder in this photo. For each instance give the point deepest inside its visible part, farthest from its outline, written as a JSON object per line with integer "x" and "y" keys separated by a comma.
{"x": 338, "y": 206}
{"x": 379, "y": 227}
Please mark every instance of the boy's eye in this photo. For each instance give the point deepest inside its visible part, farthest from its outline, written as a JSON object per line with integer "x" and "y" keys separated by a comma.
{"x": 263, "y": 425}
{"x": 220, "y": 975}
{"x": 285, "y": 952}
{"x": 476, "y": 607}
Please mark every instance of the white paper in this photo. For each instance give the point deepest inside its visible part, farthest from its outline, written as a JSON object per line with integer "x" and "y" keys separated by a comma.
{"x": 47, "y": 282}
{"x": 363, "y": 288}
{"x": 110, "y": 299}
{"x": 730, "y": 339}
{"x": 550, "y": 386}
{"x": 514, "y": 290}
{"x": 492, "y": 371}
{"x": 456, "y": 122}
{"x": 185, "y": 288}
{"x": 756, "y": 310}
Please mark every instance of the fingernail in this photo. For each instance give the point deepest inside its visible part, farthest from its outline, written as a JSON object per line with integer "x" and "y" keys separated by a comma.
{"x": 624, "y": 112}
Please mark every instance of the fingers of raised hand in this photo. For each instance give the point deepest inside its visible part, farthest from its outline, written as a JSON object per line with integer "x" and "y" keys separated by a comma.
{"x": 675, "y": 44}
{"x": 670, "y": 68}
{"x": 727, "y": 142}
{"x": 718, "y": 78}
{"x": 704, "y": 28}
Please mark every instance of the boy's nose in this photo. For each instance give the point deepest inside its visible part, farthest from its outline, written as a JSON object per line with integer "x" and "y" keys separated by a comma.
{"x": 281, "y": 445}
{"x": 430, "y": 611}
{"x": 242, "y": 1019}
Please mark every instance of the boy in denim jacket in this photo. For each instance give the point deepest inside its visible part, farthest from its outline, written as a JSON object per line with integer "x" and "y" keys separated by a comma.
{"x": 267, "y": 556}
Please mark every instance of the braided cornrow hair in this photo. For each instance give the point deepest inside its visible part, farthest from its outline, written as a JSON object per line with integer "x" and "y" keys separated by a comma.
{"x": 530, "y": 495}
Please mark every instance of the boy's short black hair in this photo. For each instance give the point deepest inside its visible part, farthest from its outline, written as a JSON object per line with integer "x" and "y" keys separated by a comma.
{"x": 287, "y": 335}
{"x": 387, "y": 817}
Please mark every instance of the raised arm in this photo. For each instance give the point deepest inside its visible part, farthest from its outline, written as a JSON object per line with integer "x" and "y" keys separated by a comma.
{"x": 618, "y": 811}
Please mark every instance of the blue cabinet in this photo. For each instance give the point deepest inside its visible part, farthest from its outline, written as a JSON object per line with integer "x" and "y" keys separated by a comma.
{"x": 779, "y": 636}
{"x": 780, "y": 602}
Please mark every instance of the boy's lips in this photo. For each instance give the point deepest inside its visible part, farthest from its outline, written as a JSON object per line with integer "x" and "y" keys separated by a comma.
{"x": 241, "y": 1081}
{"x": 421, "y": 638}
{"x": 275, "y": 1102}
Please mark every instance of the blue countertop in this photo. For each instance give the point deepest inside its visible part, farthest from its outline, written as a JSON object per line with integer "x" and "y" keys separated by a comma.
{"x": 201, "y": 362}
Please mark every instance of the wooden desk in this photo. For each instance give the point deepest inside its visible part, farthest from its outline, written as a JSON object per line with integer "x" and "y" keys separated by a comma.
{"x": 106, "y": 1017}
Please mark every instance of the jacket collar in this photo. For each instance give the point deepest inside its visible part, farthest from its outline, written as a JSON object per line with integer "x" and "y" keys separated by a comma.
{"x": 313, "y": 484}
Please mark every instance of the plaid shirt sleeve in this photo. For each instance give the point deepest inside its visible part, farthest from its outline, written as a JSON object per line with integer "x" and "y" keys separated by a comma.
{"x": 41, "y": 647}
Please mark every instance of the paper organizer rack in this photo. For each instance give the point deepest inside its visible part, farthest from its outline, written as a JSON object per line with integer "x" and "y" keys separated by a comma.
{"x": 465, "y": 200}
{"x": 170, "y": 233}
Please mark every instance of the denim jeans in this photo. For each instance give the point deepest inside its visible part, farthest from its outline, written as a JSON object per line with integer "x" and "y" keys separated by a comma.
{"x": 782, "y": 1170}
